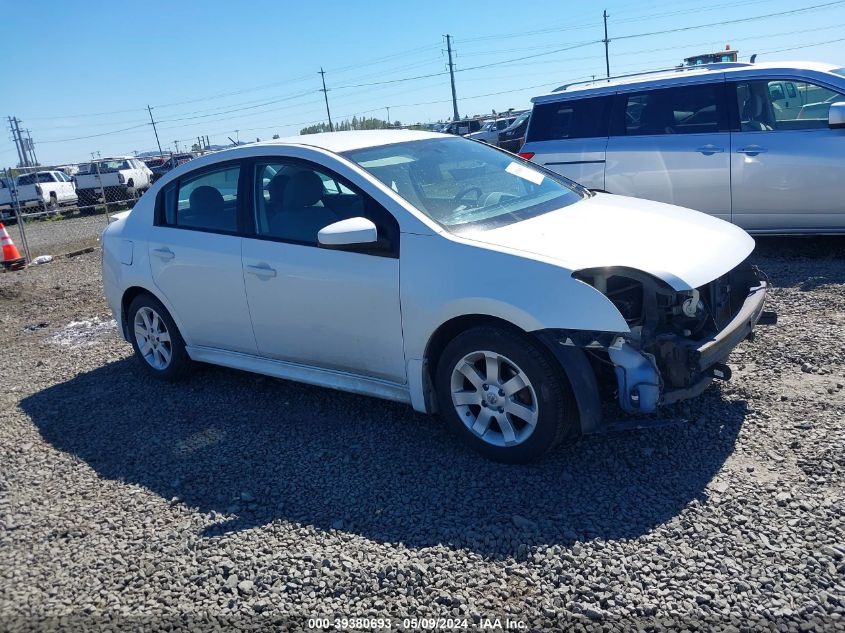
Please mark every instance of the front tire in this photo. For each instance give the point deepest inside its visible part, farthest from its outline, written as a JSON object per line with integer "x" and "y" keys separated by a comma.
{"x": 504, "y": 394}
{"x": 158, "y": 345}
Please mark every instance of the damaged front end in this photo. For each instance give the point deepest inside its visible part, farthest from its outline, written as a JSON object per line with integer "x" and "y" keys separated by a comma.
{"x": 678, "y": 340}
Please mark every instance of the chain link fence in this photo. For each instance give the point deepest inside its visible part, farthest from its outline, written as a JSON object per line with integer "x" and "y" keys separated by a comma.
{"x": 100, "y": 187}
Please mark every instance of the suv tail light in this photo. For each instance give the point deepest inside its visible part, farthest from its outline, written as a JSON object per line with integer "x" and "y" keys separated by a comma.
{"x": 122, "y": 180}
{"x": 38, "y": 190}
{"x": 526, "y": 155}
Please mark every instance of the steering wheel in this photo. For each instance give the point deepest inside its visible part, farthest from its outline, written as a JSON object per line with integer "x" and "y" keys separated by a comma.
{"x": 463, "y": 193}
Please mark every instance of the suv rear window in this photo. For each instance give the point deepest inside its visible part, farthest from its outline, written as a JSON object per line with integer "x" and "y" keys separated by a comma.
{"x": 579, "y": 118}
{"x": 682, "y": 110}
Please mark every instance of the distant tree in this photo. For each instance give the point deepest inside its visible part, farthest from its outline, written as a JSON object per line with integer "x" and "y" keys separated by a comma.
{"x": 195, "y": 147}
{"x": 354, "y": 124}
{"x": 275, "y": 136}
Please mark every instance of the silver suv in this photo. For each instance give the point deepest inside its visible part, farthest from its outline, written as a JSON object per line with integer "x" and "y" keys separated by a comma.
{"x": 759, "y": 145}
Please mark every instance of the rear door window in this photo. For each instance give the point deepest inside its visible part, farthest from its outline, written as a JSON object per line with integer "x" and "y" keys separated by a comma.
{"x": 696, "y": 109}
{"x": 579, "y": 118}
{"x": 207, "y": 201}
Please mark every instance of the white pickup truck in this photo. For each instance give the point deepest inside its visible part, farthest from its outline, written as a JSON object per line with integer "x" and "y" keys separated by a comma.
{"x": 46, "y": 190}
{"x": 122, "y": 178}
{"x": 6, "y": 212}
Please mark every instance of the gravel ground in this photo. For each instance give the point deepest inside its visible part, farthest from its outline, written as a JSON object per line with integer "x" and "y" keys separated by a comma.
{"x": 57, "y": 237}
{"x": 232, "y": 500}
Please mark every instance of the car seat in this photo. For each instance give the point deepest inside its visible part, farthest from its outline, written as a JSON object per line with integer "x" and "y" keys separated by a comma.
{"x": 302, "y": 213}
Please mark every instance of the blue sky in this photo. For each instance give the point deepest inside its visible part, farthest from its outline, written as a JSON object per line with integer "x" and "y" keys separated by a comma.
{"x": 213, "y": 67}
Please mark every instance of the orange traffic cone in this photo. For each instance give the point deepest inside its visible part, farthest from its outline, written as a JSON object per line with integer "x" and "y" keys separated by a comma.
{"x": 12, "y": 259}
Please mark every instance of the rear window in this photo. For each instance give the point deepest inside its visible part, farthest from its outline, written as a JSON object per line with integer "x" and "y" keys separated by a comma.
{"x": 579, "y": 118}
{"x": 107, "y": 166}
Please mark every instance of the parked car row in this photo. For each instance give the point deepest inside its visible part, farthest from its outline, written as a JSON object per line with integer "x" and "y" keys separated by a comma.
{"x": 121, "y": 178}
{"x": 507, "y": 132}
{"x": 45, "y": 190}
{"x": 167, "y": 164}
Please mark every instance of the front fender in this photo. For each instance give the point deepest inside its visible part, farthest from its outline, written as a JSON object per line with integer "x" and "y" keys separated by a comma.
{"x": 443, "y": 279}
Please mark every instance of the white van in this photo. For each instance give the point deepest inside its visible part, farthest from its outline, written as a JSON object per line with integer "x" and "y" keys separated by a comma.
{"x": 759, "y": 145}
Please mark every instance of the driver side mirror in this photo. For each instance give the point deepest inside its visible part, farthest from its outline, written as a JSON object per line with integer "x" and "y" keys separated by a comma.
{"x": 836, "y": 116}
{"x": 353, "y": 234}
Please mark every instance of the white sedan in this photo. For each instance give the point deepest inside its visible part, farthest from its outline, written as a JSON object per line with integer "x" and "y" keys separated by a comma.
{"x": 435, "y": 271}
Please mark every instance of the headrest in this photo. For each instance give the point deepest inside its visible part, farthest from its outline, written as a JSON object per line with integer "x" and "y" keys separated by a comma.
{"x": 304, "y": 189}
{"x": 207, "y": 199}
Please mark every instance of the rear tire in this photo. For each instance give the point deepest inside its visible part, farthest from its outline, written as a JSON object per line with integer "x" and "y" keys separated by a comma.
{"x": 158, "y": 345}
{"x": 504, "y": 394}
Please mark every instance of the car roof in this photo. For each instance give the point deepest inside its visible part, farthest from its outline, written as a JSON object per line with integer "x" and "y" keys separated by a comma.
{"x": 680, "y": 73}
{"x": 339, "y": 142}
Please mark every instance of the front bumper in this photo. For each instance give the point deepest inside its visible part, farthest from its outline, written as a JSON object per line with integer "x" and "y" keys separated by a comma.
{"x": 677, "y": 368}
{"x": 707, "y": 352}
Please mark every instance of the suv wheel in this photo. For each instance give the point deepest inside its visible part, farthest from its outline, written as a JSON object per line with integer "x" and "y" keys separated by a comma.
{"x": 156, "y": 339}
{"x": 504, "y": 394}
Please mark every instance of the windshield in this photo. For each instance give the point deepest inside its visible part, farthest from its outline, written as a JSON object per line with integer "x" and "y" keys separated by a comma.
{"x": 107, "y": 166}
{"x": 465, "y": 185}
{"x": 518, "y": 121}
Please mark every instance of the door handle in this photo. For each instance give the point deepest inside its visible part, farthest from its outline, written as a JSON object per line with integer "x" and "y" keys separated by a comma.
{"x": 752, "y": 150}
{"x": 262, "y": 270}
{"x": 164, "y": 253}
{"x": 709, "y": 150}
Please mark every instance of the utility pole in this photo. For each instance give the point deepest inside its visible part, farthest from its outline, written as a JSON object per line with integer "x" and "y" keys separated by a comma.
{"x": 31, "y": 147}
{"x": 176, "y": 143}
{"x": 326, "y": 95}
{"x": 17, "y": 141}
{"x": 24, "y": 151}
{"x": 388, "y": 115}
{"x": 606, "y": 45}
{"x": 452, "y": 76}
{"x": 152, "y": 120}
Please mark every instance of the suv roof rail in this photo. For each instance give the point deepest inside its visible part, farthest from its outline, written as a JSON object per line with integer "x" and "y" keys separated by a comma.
{"x": 677, "y": 69}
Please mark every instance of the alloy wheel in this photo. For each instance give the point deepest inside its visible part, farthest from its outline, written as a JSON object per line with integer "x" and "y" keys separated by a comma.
{"x": 153, "y": 339}
{"x": 494, "y": 398}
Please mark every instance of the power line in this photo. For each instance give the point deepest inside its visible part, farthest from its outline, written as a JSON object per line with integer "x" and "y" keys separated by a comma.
{"x": 251, "y": 107}
{"x": 795, "y": 48}
{"x": 736, "y": 21}
{"x": 80, "y": 138}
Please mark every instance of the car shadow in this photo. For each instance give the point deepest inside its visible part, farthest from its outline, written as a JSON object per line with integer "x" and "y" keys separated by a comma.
{"x": 801, "y": 260}
{"x": 256, "y": 450}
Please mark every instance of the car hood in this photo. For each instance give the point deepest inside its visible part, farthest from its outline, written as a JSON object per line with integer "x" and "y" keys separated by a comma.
{"x": 684, "y": 248}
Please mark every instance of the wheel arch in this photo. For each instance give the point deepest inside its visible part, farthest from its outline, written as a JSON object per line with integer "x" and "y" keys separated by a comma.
{"x": 129, "y": 296}
{"x": 573, "y": 362}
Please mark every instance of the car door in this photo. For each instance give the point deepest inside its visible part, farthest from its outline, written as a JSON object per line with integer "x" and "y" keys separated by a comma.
{"x": 195, "y": 258}
{"x": 786, "y": 163}
{"x": 570, "y": 138}
{"x": 65, "y": 190}
{"x": 332, "y": 309}
{"x": 672, "y": 145}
